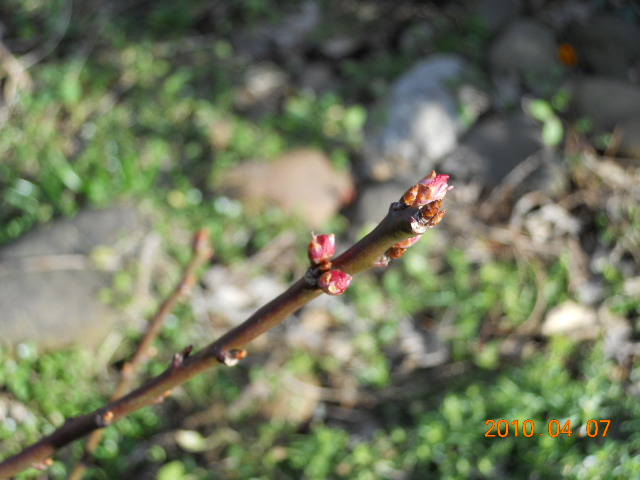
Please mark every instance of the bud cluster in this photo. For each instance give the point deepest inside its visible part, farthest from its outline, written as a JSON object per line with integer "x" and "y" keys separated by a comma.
{"x": 427, "y": 196}
{"x": 320, "y": 251}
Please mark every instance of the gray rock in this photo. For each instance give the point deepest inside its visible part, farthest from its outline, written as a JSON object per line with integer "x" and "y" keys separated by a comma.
{"x": 607, "y": 45}
{"x": 49, "y": 287}
{"x": 493, "y": 148}
{"x": 288, "y": 36}
{"x": 605, "y": 102}
{"x": 296, "y": 27}
{"x": 629, "y": 131}
{"x": 374, "y": 200}
{"x": 318, "y": 76}
{"x": 421, "y": 121}
{"x": 78, "y": 235}
{"x": 526, "y": 50}
{"x": 496, "y": 13}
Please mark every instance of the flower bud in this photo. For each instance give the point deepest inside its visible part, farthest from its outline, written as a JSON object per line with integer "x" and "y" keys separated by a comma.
{"x": 432, "y": 187}
{"x": 334, "y": 282}
{"x": 410, "y": 195}
{"x": 321, "y": 248}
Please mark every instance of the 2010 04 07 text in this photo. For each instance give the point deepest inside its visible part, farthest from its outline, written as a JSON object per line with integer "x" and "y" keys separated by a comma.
{"x": 553, "y": 428}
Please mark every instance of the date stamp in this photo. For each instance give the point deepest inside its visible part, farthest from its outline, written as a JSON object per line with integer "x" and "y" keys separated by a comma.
{"x": 552, "y": 428}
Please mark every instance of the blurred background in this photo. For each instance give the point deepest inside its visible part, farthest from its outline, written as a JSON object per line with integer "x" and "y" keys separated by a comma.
{"x": 127, "y": 125}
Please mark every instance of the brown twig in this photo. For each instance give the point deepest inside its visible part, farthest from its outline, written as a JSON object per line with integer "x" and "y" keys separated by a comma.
{"x": 202, "y": 252}
{"x": 415, "y": 213}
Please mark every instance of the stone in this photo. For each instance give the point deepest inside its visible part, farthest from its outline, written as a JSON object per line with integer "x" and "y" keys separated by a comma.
{"x": 550, "y": 222}
{"x": 318, "y": 76}
{"x": 286, "y": 36}
{"x": 493, "y": 148}
{"x": 296, "y": 27}
{"x": 572, "y": 320}
{"x": 421, "y": 120}
{"x": 526, "y": 49}
{"x": 618, "y": 341}
{"x": 49, "y": 287}
{"x": 494, "y": 14}
{"x": 264, "y": 86}
{"x": 629, "y": 131}
{"x": 374, "y": 200}
{"x": 611, "y": 106}
{"x": 301, "y": 182}
{"x": 607, "y": 45}
{"x": 605, "y": 101}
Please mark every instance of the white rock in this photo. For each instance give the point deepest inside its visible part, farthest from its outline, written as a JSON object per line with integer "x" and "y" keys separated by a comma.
{"x": 422, "y": 122}
{"x": 572, "y": 320}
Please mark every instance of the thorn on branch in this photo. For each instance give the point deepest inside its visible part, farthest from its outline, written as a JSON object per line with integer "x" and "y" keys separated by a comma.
{"x": 231, "y": 357}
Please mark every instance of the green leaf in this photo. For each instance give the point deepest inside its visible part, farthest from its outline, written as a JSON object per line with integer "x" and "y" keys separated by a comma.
{"x": 552, "y": 131}
{"x": 171, "y": 471}
{"x": 541, "y": 110}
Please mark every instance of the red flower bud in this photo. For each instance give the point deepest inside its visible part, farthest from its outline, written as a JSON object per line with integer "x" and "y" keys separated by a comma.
{"x": 432, "y": 187}
{"x": 321, "y": 248}
{"x": 334, "y": 282}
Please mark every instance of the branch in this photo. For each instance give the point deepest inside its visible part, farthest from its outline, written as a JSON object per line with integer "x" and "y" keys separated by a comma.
{"x": 202, "y": 252}
{"x": 406, "y": 221}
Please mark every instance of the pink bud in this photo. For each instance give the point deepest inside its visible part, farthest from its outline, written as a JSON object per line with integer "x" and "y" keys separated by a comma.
{"x": 432, "y": 187}
{"x": 408, "y": 242}
{"x": 334, "y": 282}
{"x": 321, "y": 248}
